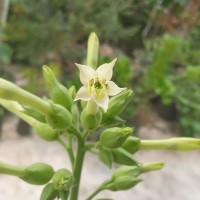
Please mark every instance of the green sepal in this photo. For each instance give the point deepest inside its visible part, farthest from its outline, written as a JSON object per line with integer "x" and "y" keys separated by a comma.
{"x": 75, "y": 114}
{"x": 118, "y": 103}
{"x": 46, "y": 132}
{"x": 62, "y": 179}
{"x": 90, "y": 121}
{"x": 132, "y": 171}
{"x": 106, "y": 157}
{"x": 114, "y": 137}
{"x": 49, "y": 192}
{"x": 28, "y": 110}
{"x": 112, "y": 121}
{"x": 38, "y": 174}
{"x": 63, "y": 194}
{"x": 131, "y": 144}
{"x": 123, "y": 157}
{"x": 72, "y": 91}
{"x": 123, "y": 183}
{"x": 60, "y": 118}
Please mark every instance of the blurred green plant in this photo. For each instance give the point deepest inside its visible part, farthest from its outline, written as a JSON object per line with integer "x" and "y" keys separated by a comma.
{"x": 57, "y": 30}
{"x": 169, "y": 76}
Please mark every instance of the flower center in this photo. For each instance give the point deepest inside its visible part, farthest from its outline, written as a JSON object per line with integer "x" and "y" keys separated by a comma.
{"x": 96, "y": 85}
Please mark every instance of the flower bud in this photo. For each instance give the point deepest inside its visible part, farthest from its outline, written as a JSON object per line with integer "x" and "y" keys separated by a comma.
{"x": 92, "y": 50}
{"x": 123, "y": 183}
{"x": 46, "y": 132}
{"x": 90, "y": 121}
{"x": 38, "y": 174}
{"x": 60, "y": 118}
{"x": 62, "y": 179}
{"x": 34, "y": 113}
{"x": 122, "y": 157}
{"x": 114, "y": 137}
{"x": 131, "y": 144}
{"x": 118, "y": 103}
{"x": 132, "y": 171}
{"x": 58, "y": 92}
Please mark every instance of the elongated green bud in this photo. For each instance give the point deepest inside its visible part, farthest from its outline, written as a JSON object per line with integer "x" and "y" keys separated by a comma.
{"x": 135, "y": 171}
{"x": 122, "y": 157}
{"x": 131, "y": 144}
{"x": 60, "y": 117}
{"x": 46, "y": 132}
{"x": 118, "y": 103}
{"x": 62, "y": 179}
{"x": 49, "y": 192}
{"x": 38, "y": 174}
{"x": 90, "y": 121}
{"x": 12, "y": 92}
{"x": 177, "y": 144}
{"x": 92, "y": 50}
{"x": 123, "y": 183}
{"x": 34, "y": 113}
{"x": 114, "y": 137}
{"x": 58, "y": 92}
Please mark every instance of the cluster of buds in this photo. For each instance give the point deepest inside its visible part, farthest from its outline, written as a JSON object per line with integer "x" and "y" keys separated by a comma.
{"x": 61, "y": 118}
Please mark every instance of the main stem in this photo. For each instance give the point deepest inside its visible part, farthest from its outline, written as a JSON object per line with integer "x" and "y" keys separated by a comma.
{"x": 78, "y": 169}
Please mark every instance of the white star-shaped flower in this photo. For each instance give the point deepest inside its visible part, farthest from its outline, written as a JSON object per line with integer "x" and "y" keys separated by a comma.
{"x": 97, "y": 85}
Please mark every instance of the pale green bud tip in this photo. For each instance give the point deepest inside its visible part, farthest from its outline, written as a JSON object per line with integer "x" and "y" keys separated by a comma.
{"x": 62, "y": 179}
{"x": 93, "y": 40}
{"x": 93, "y": 50}
{"x": 147, "y": 167}
{"x": 128, "y": 130}
{"x": 48, "y": 74}
{"x": 38, "y": 174}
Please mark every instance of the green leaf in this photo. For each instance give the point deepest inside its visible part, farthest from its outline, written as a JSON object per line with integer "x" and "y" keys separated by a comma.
{"x": 106, "y": 157}
{"x": 123, "y": 157}
{"x": 63, "y": 194}
{"x": 48, "y": 192}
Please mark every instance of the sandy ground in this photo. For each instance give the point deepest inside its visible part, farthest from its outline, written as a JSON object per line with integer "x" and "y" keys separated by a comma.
{"x": 179, "y": 180}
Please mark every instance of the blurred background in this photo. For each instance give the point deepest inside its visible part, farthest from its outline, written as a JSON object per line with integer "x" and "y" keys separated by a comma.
{"x": 158, "y": 50}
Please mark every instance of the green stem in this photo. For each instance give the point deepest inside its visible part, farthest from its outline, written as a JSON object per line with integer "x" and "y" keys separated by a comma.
{"x": 11, "y": 170}
{"x": 77, "y": 169}
{"x": 99, "y": 189}
{"x": 68, "y": 149}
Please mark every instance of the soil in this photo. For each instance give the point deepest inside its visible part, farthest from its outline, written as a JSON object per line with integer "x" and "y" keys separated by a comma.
{"x": 178, "y": 180}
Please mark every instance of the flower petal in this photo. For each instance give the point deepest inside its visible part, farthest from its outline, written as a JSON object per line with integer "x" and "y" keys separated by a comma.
{"x": 102, "y": 100}
{"x": 83, "y": 94}
{"x": 86, "y": 73}
{"x": 105, "y": 71}
{"x": 113, "y": 89}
